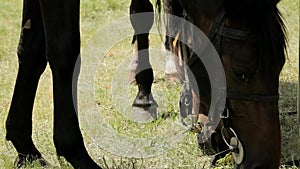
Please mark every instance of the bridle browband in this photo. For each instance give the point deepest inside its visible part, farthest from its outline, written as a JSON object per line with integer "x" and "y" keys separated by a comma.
{"x": 219, "y": 28}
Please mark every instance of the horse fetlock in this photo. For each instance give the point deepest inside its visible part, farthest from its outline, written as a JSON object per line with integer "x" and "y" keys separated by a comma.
{"x": 144, "y": 77}
{"x": 24, "y": 146}
{"x": 144, "y": 100}
{"x": 68, "y": 144}
{"x": 17, "y": 133}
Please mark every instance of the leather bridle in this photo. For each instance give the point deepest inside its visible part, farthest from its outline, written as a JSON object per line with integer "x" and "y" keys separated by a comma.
{"x": 219, "y": 29}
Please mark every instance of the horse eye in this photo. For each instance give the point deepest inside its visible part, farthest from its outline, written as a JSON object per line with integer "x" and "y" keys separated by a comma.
{"x": 240, "y": 75}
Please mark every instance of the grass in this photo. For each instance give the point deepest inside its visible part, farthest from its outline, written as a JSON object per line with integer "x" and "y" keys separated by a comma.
{"x": 167, "y": 147}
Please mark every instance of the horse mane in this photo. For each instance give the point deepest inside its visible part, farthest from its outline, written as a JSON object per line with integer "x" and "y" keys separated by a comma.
{"x": 265, "y": 22}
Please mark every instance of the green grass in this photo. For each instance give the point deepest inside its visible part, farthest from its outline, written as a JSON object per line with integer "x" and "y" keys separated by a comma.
{"x": 169, "y": 152}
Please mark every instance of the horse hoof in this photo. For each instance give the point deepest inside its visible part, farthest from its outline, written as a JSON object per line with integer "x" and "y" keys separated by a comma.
{"x": 24, "y": 160}
{"x": 144, "y": 115}
{"x": 144, "y": 109}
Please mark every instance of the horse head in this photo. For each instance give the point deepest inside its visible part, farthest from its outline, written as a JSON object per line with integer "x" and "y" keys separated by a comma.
{"x": 249, "y": 36}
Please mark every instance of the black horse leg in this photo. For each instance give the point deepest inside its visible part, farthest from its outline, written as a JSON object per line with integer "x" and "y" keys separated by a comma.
{"x": 142, "y": 18}
{"x": 144, "y": 74}
{"x": 32, "y": 63}
{"x": 61, "y": 20}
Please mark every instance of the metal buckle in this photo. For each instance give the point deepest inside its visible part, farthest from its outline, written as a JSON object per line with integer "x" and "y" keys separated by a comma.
{"x": 225, "y": 114}
{"x": 223, "y": 136}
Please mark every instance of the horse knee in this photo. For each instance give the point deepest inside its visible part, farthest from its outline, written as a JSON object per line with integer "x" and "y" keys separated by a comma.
{"x": 32, "y": 50}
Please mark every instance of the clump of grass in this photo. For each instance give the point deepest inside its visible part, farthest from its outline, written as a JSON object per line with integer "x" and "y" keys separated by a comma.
{"x": 226, "y": 162}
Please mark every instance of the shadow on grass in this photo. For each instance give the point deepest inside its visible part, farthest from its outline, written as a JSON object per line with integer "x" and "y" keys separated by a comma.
{"x": 289, "y": 127}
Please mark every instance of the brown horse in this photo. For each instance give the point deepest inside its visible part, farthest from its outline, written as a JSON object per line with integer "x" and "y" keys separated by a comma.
{"x": 249, "y": 36}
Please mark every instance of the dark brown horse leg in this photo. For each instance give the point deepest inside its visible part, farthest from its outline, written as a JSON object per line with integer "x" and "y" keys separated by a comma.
{"x": 172, "y": 8}
{"x": 61, "y": 20}
{"x": 142, "y": 23}
{"x": 32, "y": 63}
